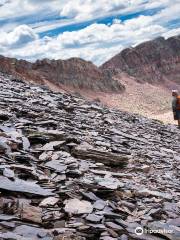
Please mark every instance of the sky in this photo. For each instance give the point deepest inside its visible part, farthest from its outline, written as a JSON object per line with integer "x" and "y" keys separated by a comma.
{"x": 94, "y": 30}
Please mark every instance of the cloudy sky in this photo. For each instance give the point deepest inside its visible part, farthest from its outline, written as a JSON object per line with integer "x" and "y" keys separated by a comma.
{"x": 91, "y": 29}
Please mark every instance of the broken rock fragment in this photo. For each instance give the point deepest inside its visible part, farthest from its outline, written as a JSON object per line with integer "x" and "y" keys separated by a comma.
{"x": 22, "y": 186}
{"x": 109, "y": 182}
{"x": 76, "y": 206}
{"x": 56, "y": 165}
{"x": 8, "y": 173}
{"x": 94, "y": 218}
{"x": 52, "y": 145}
{"x": 31, "y": 214}
{"x": 50, "y": 201}
{"x": 147, "y": 192}
{"x": 108, "y": 158}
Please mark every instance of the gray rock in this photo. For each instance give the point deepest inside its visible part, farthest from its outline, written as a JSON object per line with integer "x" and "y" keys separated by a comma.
{"x": 50, "y": 201}
{"x": 94, "y": 218}
{"x": 75, "y": 206}
{"x": 22, "y": 186}
{"x": 55, "y": 165}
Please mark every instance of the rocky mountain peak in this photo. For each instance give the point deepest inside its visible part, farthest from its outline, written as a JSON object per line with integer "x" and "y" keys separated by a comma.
{"x": 75, "y": 73}
{"x": 153, "y": 61}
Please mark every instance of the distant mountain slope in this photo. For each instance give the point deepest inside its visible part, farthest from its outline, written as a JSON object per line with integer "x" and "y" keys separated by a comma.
{"x": 152, "y": 101}
{"x": 74, "y": 73}
{"x": 154, "y": 61}
{"x": 118, "y": 82}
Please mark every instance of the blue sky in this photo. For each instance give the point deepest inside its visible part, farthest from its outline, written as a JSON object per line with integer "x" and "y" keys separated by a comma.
{"x": 90, "y": 29}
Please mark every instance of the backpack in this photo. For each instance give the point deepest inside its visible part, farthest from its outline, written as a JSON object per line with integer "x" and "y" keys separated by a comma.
{"x": 178, "y": 102}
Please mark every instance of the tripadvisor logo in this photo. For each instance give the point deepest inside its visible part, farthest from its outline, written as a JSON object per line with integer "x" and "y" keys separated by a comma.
{"x": 139, "y": 231}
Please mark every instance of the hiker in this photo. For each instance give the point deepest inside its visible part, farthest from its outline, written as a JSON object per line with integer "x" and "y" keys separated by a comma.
{"x": 176, "y": 106}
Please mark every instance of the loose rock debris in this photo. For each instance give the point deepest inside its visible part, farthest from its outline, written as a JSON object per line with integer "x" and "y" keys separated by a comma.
{"x": 72, "y": 169}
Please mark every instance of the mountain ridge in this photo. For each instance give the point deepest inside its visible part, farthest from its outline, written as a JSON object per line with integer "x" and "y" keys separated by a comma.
{"x": 155, "y": 61}
{"x": 75, "y": 73}
{"x": 146, "y": 91}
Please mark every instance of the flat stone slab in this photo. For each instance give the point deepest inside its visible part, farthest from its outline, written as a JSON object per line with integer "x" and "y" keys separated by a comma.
{"x": 22, "y": 186}
{"x": 75, "y": 206}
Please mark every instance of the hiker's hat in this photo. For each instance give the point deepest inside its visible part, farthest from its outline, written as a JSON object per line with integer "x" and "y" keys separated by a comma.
{"x": 174, "y": 91}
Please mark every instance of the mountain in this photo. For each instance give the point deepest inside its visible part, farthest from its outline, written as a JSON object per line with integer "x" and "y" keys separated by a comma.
{"x": 72, "y": 169}
{"x": 74, "y": 73}
{"x": 156, "y": 61}
{"x": 137, "y": 80}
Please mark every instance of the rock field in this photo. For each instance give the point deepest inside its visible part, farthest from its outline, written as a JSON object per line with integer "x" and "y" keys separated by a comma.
{"x": 72, "y": 169}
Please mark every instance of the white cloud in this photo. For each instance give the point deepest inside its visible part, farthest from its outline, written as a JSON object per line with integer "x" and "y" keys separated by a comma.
{"x": 168, "y": 14}
{"x": 74, "y": 11}
{"x": 124, "y": 33}
{"x": 171, "y": 33}
{"x": 2, "y": 2}
{"x": 82, "y": 10}
{"x": 97, "y": 42}
{"x": 18, "y": 37}
{"x": 116, "y": 21}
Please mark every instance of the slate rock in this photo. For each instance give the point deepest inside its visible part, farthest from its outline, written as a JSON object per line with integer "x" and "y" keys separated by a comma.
{"x": 56, "y": 165}
{"x": 50, "y": 201}
{"x": 31, "y": 214}
{"x": 22, "y": 186}
{"x": 75, "y": 206}
{"x": 94, "y": 218}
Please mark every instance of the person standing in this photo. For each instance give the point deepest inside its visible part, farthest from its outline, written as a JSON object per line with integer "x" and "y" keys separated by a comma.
{"x": 176, "y": 106}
